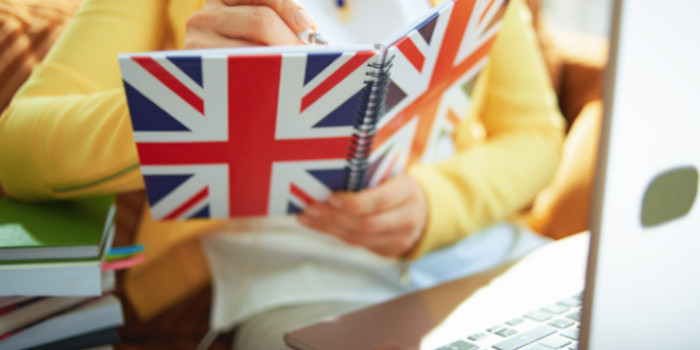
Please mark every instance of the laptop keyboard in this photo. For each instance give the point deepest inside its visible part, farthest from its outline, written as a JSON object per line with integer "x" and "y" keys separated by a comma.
{"x": 554, "y": 326}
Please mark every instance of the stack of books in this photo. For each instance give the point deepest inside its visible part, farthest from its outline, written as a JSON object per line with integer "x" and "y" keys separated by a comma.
{"x": 57, "y": 274}
{"x": 60, "y": 322}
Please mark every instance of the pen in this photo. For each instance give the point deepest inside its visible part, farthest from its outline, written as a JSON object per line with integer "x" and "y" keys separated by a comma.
{"x": 310, "y": 37}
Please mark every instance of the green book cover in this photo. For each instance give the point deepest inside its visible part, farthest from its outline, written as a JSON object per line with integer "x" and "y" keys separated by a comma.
{"x": 70, "y": 229}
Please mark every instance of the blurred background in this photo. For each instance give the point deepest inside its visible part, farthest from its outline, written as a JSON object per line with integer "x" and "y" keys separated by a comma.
{"x": 586, "y": 16}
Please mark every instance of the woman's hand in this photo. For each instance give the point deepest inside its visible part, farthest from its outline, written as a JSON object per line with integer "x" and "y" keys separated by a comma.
{"x": 230, "y": 23}
{"x": 387, "y": 219}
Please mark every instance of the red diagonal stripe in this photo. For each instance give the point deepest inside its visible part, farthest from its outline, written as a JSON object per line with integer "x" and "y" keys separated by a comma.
{"x": 452, "y": 116}
{"x": 188, "y": 204}
{"x": 160, "y": 73}
{"x": 389, "y": 169}
{"x": 455, "y": 31}
{"x": 424, "y": 103}
{"x": 445, "y": 75}
{"x": 335, "y": 78}
{"x": 486, "y": 10}
{"x": 412, "y": 53}
{"x": 293, "y": 189}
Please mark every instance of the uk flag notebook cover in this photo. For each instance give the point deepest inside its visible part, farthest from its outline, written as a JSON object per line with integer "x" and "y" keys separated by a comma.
{"x": 264, "y": 131}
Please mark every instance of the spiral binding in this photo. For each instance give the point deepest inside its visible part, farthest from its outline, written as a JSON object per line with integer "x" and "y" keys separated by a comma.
{"x": 372, "y": 102}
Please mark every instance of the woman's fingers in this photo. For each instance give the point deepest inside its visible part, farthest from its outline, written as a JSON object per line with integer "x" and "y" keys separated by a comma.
{"x": 259, "y": 24}
{"x": 230, "y": 23}
{"x": 387, "y": 219}
{"x": 289, "y": 11}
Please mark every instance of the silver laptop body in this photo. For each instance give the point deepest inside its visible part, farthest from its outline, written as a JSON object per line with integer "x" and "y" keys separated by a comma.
{"x": 642, "y": 284}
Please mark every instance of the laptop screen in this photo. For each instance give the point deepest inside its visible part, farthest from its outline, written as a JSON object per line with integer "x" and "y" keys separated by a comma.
{"x": 641, "y": 282}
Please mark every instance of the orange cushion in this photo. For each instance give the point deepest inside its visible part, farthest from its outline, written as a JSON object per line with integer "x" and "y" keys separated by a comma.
{"x": 28, "y": 28}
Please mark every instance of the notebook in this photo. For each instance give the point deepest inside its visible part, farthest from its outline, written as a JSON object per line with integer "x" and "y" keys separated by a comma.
{"x": 641, "y": 288}
{"x": 75, "y": 229}
{"x": 264, "y": 131}
{"x": 55, "y": 248}
{"x": 55, "y": 277}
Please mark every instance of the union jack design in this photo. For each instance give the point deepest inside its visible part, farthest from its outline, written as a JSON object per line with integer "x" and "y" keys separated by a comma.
{"x": 434, "y": 68}
{"x": 254, "y": 133}
{"x": 224, "y": 135}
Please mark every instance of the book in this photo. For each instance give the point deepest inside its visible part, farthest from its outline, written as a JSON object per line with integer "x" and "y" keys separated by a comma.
{"x": 60, "y": 277}
{"x": 32, "y": 312}
{"x": 93, "y": 339}
{"x": 265, "y": 131}
{"x": 104, "y": 312}
{"x": 8, "y": 301}
{"x": 67, "y": 278}
{"x": 75, "y": 229}
{"x": 27, "y": 311}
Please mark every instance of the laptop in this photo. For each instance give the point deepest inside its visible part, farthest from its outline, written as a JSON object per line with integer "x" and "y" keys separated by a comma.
{"x": 632, "y": 282}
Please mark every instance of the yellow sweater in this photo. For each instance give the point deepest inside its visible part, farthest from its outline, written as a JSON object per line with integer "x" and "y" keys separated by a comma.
{"x": 67, "y": 133}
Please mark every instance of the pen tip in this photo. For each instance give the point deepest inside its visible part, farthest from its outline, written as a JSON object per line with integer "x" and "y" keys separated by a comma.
{"x": 318, "y": 39}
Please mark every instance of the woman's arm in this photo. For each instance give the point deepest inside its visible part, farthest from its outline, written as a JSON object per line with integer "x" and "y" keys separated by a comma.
{"x": 67, "y": 132}
{"x": 523, "y": 128}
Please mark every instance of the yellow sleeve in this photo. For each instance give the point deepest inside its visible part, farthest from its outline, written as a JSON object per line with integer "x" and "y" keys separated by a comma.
{"x": 67, "y": 131}
{"x": 486, "y": 182}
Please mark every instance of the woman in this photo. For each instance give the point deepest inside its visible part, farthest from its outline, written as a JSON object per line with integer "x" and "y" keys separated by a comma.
{"x": 67, "y": 134}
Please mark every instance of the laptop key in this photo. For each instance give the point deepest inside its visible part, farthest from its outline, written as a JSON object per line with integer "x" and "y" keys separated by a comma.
{"x": 538, "y": 347}
{"x": 539, "y": 316}
{"x": 515, "y": 321}
{"x": 463, "y": 345}
{"x": 576, "y": 315}
{"x": 506, "y": 332}
{"x": 556, "y": 309}
{"x": 495, "y": 329}
{"x": 570, "y": 302}
{"x": 555, "y": 342}
{"x": 570, "y": 333}
{"x": 561, "y": 323}
{"x": 477, "y": 336}
{"x": 526, "y": 338}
